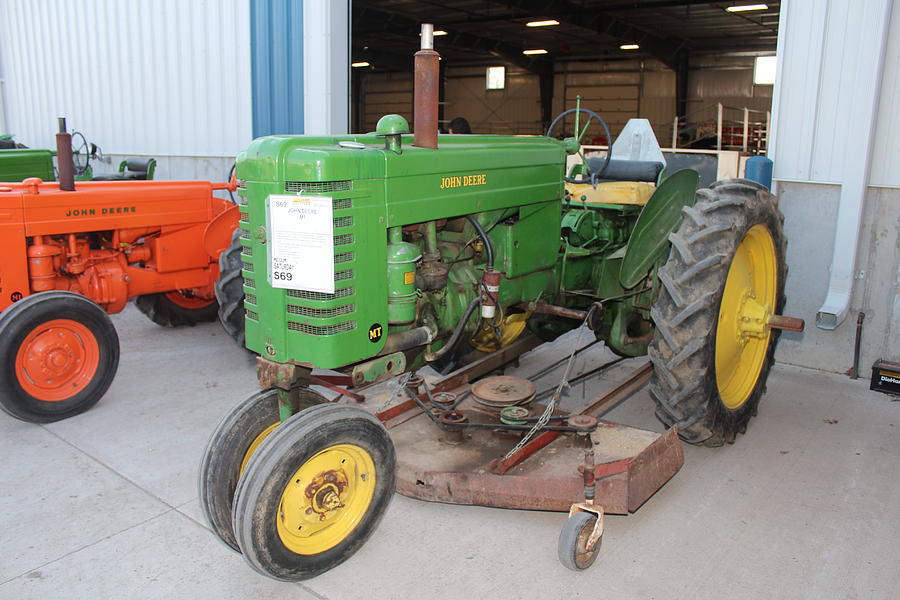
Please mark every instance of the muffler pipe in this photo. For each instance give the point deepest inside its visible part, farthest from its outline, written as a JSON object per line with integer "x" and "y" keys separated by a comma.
{"x": 65, "y": 164}
{"x": 425, "y": 94}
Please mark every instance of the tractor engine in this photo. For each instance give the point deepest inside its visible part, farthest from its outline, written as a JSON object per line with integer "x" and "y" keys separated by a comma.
{"x": 365, "y": 246}
{"x": 92, "y": 264}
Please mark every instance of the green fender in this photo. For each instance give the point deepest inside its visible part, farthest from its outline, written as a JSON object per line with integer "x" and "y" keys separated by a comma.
{"x": 661, "y": 216}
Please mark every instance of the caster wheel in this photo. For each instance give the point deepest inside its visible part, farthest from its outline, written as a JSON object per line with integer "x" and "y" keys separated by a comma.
{"x": 59, "y": 353}
{"x": 234, "y": 441}
{"x": 573, "y": 538}
{"x": 313, "y": 492}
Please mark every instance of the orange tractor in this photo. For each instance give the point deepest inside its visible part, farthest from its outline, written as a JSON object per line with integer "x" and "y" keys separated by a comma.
{"x": 69, "y": 257}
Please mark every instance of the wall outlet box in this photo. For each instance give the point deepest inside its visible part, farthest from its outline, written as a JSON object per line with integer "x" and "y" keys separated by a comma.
{"x": 885, "y": 377}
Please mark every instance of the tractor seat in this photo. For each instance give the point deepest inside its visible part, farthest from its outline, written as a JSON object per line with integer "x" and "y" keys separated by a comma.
{"x": 634, "y": 193}
{"x": 626, "y": 170}
{"x": 132, "y": 168}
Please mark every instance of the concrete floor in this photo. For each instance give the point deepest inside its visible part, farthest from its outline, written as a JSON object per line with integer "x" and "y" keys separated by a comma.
{"x": 104, "y": 505}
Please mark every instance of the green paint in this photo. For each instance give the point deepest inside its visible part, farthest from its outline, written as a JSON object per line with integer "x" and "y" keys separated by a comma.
{"x": 565, "y": 252}
{"x": 401, "y": 270}
{"x": 286, "y": 405}
{"x": 379, "y": 369}
{"x": 660, "y": 217}
{"x": 19, "y": 164}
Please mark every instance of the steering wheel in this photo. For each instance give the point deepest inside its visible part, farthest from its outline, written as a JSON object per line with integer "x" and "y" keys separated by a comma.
{"x": 580, "y": 134}
{"x": 81, "y": 152}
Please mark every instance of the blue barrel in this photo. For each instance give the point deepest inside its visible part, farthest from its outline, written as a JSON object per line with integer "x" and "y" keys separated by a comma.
{"x": 759, "y": 169}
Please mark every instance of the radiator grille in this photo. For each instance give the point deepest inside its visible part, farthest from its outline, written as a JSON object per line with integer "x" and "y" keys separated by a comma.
{"x": 341, "y": 240}
{"x": 252, "y": 315}
{"x": 250, "y": 283}
{"x": 306, "y": 295}
{"x": 322, "y": 329}
{"x": 343, "y": 257}
{"x": 247, "y": 266}
{"x": 320, "y": 313}
{"x": 343, "y": 275}
{"x": 317, "y": 187}
{"x": 246, "y": 250}
{"x": 250, "y": 298}
{"x": 343, "y": 222}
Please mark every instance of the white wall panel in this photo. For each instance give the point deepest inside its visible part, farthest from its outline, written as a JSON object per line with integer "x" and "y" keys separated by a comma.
{"x": 162, "y": 78}
{"x": 886, "y": 153}
{"x": 801, "y": 37}
{"x": 826, "y": 67}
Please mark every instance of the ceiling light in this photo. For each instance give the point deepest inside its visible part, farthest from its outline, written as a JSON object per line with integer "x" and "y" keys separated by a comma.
{"x": 360, "y": 64}
{"x": 439, "y": 32}
{"x": 542, "y": 23}
{"x": 743, "y": 7}
{"x": 629, "y": 47}
{"x": 536, "y": 51}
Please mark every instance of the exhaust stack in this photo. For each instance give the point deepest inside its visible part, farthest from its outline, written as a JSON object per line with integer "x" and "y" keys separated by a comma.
{"x": 425, "y": 109}
{"x": 64, "y": 161}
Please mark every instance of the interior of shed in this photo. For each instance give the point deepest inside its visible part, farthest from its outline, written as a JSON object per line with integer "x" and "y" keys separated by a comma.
{"x": 701, "y": 72}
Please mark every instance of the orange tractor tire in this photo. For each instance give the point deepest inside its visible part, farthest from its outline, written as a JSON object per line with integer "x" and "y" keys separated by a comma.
{"x": 173, "y": 309}
{"x": 59, "y": 353}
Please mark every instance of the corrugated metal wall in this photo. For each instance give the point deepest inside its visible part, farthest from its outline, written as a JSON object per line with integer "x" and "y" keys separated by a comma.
{"x": 513, "y": 110}
{"x": 828, "y": 52}
{"x": 617, "y": 90}
{"x": 169, "y": 77}
{"x": 385, "y": 94}
{"x": 818, "y": 104}
{"x": 886, "y": 154}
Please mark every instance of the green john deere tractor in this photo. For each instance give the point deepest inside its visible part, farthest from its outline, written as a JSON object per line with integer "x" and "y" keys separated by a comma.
{"x": 373, "y": 255}
{"x": 18, "y": 162}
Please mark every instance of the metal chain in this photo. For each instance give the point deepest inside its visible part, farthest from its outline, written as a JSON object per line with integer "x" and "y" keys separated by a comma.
{"x": 401, "y": 384}
{"x": 554, "y": 400}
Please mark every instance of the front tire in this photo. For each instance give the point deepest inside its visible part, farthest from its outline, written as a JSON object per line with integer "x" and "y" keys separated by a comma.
{"x": 235, "y": 439}
{"x": 59, "y": 353}
{"x": 314, "y": 492}
{"x": 712, "y": 349}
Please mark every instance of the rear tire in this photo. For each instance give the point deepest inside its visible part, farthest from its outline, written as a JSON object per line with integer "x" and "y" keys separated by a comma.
{"x": 692, "y": 320}
{"x": 174, "y": 309}
{"x": 230, "y": 290}
{"x": 234, "y": 441}
{"x": 314, "y": 492}
{"x": 59, "y": 353}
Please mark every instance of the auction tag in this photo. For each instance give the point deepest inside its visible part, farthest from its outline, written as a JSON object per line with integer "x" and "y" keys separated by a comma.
{"x": 301, "y": 247}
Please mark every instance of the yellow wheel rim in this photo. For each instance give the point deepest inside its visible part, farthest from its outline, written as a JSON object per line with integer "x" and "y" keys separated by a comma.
{"x": 255, "y": 444}
{"x": 326, "y": 499}
{"x": 748, "y": 302}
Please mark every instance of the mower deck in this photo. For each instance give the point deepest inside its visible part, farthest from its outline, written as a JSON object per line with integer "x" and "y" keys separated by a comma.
{"x": 631, "y": 465}
{"x": 469, "y": 467}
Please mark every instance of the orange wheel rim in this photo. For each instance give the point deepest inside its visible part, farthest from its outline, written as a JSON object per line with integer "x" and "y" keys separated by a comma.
{"x": 190, "y": 302}
{"x": 57, "y": 360}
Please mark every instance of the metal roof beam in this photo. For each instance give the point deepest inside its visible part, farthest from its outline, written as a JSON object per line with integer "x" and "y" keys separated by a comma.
{"x": 455, "y": 38}
{"x": 604, "y": 23}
